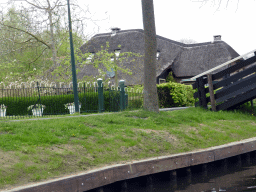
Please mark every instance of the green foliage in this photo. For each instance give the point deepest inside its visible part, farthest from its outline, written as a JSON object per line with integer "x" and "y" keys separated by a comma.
{"x": 19, "y": 105}
{"x": 44, "y": 147}
{"x": 208, "y": 94}
{"x": 27, "y": 49}
{"x": 55, "y": 104}
{"x": 136, "y": 88}
{"x": 172, "y": 94}
{"x": 112, "y": 100}
{"x": 103, "y": 61}
{"x": 21, "y": 54}
{"x": 175, "y": 95}
{"x": 64, "y": 48}
{"x": 170, "y": 78}
{"x": 135, "y": 104}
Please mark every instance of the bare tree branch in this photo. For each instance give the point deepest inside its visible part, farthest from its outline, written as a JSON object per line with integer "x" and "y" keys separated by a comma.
{"x": 35, "y": 37}
{"x": 218, "y": 3}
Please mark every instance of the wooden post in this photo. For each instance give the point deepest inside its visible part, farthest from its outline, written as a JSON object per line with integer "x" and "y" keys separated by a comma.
{"x": 224, "y": 165}
{"x": 209, "y": 77}
{"x": 189, "y": 175}
{"x": 199, "y": 94}
{"x": 124, "y": 186}
{"x": 248, "y": 158}
{"x": 173, "y": 176}
{"x": 173, "y": 179}
{"x": 100, "y": 189}
{"x": 204, "y": 170}
{"x": 202, "y": 92}
{"x": 239, "y": 161}
{"x": 149, "y": 183}
{"x": 149, "y": 180}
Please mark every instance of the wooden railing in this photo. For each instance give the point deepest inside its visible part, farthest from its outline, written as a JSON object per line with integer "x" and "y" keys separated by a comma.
{"x": 223, "y": 65}
{"x": 234, "y": 90}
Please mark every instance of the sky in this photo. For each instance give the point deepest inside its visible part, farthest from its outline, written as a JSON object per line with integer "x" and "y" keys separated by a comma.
{"x": 178, "y": 19}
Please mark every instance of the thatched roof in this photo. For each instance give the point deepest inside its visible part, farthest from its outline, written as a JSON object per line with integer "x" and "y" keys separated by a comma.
{"x": 185, "y": 60}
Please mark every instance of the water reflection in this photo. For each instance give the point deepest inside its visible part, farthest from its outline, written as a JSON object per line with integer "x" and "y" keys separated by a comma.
{"x": 234, "y": 174}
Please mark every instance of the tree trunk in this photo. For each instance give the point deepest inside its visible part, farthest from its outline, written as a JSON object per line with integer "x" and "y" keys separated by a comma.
{"x": 150, "y": 89}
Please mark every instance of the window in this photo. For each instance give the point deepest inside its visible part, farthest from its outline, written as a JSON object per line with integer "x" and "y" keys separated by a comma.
{"x": 89, "y": 58}
{"x": 111, "y": 73}
{"x": 157, "y": 55}
{"x": 117, "y": 53}
{"x": 162, "y": 80}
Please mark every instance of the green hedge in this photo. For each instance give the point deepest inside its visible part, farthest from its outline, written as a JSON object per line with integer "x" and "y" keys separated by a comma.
{"x": 55, "y": 103}
{"x": 170, "y": 94}
{"x": 175, "y": 95}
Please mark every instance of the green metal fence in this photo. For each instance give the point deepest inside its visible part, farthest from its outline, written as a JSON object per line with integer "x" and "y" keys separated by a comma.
{"x": 42, "y": 101}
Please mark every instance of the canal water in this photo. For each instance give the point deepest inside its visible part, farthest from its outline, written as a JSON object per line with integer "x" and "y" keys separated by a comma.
{"x": 230, "y": 175}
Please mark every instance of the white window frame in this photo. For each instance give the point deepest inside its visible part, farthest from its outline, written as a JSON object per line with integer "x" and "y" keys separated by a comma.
{"x": 117, "y": 53}
{"x": 157, "y": 55}
{"x": 90, "y": 57}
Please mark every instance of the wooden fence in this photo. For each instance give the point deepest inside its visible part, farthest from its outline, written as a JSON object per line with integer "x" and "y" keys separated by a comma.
{"x": 235, "y": 89}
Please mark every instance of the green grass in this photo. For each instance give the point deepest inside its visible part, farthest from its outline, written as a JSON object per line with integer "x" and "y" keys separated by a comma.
{"x": 27, "y": 117}
{"x": 32, "y": 151}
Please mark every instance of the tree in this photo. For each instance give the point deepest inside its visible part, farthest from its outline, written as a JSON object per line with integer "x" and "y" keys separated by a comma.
{"x": 219, "y": 2}
{"x": 41, "y": 27}
{"x": 103, "y": 60}
{"x": 150, "y": 89}
{"x": 20, "y": 54}
{"x": 46, "y": 16}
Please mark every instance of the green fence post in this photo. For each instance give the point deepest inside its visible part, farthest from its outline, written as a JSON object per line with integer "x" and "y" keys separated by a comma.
{"x": 100, "y": 95}
{"x": 126, "y": 100}
{"x": 122, "y": 95}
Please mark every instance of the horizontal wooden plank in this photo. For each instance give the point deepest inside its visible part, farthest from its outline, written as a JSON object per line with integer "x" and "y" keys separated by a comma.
{"x": 249, "y": 146}
{"x": 238, "y": 104}
{"x": 234, "y": 68}
{"x": 228, "y": 151}
{"x": 233, "y": 89}
{"x": 238, "y": 100}
{"x": 200, "y": 158}
{"x": 235, "y": 93}
{"x": 234, "y": 78}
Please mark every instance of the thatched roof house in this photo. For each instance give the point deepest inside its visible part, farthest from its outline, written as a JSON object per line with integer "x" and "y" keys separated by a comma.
{"x": 184, "y": 60}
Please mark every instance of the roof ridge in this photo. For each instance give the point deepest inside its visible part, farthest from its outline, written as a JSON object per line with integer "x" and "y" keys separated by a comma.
{"x": 160, "y": 37}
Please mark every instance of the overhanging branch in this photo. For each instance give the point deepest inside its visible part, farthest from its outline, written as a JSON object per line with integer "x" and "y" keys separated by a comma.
{"x": 35, "y": 37}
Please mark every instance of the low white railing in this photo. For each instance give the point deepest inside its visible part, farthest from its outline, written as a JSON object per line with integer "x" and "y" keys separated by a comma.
{"x": 219, "y": 66}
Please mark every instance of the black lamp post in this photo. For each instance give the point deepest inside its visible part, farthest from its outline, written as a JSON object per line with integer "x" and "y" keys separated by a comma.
{"x": 73, "y": 62}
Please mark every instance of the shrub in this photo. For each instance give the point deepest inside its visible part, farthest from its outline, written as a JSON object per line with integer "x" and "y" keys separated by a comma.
{"x": 55, "y": 104}
{"x": 175, "y": 95}
{"x": 170, "y": 78}
{"x": 135, "y": 104}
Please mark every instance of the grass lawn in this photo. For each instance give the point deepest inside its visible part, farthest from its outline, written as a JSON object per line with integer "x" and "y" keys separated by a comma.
{"x": 32, "y": 151}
